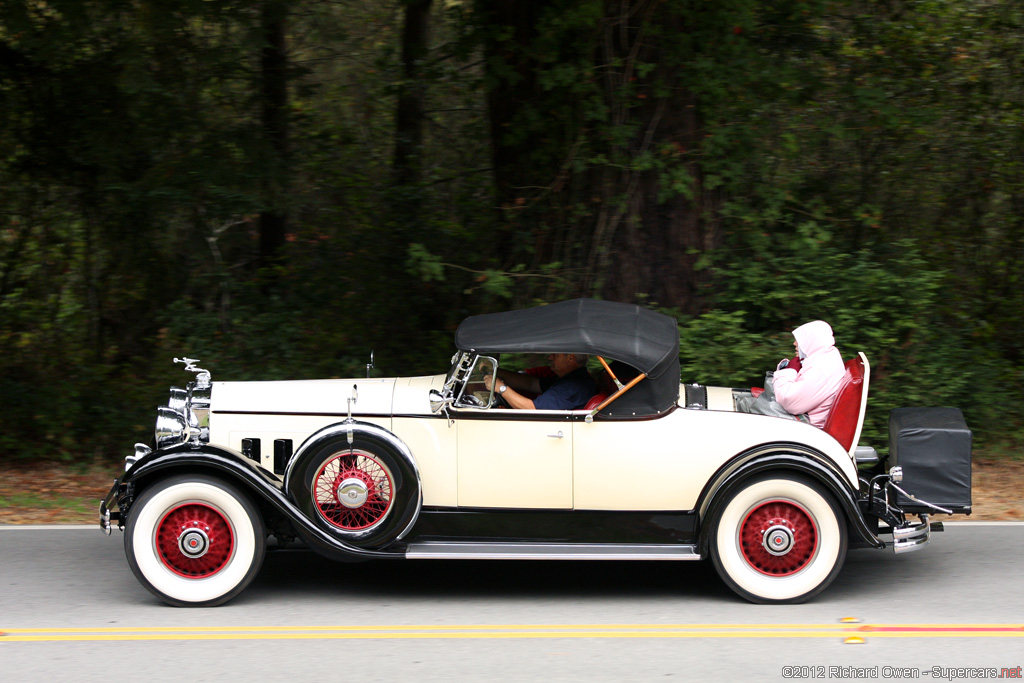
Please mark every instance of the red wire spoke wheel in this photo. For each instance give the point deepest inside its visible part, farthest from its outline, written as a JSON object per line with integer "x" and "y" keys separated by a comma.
{"x": 195, "y": 540}
{"x": 358, "y": 482}
{"x": 353, "y": 490}
{"x": 778, "y": 538}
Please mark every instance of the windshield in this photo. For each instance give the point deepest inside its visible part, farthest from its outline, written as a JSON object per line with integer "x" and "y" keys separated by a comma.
{"x": 475, "y": 392}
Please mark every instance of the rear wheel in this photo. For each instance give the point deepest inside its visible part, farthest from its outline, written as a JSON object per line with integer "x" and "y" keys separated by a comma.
{"x": 779, "y": 539}
{"x": 194, "y": 540}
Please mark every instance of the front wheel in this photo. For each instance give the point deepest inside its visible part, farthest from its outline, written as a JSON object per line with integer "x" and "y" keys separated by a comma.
{"x": 779, "y": 539}
{"x": 194, "y": 540}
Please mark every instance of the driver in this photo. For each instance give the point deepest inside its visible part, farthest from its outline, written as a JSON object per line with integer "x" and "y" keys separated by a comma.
{"x": 570, "y": 388}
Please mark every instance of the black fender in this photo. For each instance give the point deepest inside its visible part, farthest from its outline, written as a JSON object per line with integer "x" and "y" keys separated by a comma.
{"x": 354, "y": 435}
{"x": 236, "y": 468}
{"x": 791, "y": 458}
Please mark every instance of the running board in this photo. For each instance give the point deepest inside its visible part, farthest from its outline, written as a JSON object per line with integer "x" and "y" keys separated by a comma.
{"x": 437, "y": 550}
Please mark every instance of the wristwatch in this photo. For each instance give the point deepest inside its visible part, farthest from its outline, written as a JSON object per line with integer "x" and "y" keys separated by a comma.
{"x": 502, "y": 388}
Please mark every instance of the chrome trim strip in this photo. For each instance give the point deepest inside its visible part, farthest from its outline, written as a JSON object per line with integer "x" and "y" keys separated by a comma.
{"x": 438, "y": 550}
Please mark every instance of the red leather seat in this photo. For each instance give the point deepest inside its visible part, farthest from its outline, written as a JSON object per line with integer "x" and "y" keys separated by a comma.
{"x": 605, "y": 388}
{"x": 846, "y": 414}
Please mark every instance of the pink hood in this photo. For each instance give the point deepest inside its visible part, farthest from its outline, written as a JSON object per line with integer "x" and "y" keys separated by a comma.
{"x": 813, "y": 389}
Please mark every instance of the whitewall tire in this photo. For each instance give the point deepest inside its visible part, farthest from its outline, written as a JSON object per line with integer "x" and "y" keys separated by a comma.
{"x": 779, "y": 538}
{"x": 194, "y": 540}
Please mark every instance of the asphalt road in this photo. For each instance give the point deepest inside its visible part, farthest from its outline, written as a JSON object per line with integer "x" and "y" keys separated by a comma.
{"x": 71, "y": 610}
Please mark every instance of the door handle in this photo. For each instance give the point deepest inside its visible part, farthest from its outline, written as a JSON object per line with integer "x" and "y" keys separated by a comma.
{"x": 559, "y": 435}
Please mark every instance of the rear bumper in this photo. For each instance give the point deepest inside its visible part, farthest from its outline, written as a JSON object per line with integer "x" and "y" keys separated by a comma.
{"x": 912, "y": 537}
{"x": 907, "y": 536}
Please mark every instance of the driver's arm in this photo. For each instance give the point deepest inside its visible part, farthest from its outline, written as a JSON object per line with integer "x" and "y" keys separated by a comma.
{"x": 520, "y": 382}
{"x": 511, "y": 396}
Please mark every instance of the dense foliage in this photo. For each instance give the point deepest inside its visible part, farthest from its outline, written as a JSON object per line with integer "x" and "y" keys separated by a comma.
{"x": 279, "y": 188}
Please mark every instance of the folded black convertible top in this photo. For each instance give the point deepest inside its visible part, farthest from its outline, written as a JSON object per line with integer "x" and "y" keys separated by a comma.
{"x": 644, "y": 339}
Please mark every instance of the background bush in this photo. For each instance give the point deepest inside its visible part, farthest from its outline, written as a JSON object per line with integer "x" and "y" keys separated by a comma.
{"x": 280, "y": 188}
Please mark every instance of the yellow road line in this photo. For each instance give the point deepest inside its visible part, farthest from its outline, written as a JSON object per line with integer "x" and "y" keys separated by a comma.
{"x": 428, "y": 627}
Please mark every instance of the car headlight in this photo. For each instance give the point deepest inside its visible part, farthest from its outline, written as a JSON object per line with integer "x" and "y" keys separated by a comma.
{"x": 187, "y": 413}
{"x": 178, "y": 402}
{"x": 171, "y": 428}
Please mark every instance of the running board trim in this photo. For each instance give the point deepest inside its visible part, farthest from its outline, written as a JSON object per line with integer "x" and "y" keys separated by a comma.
{"x": 438, "y": 550}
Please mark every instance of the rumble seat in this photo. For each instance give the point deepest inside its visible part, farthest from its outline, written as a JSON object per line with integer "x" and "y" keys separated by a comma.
{"x": 846, "y": 416}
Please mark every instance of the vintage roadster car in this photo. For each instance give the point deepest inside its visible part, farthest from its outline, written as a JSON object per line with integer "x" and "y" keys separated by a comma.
{"x": 436, "y": 467}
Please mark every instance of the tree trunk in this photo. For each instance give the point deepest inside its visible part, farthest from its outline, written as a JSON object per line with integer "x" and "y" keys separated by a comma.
{"x": 274, "y": 123}
{"x": 619, "y": 228}
{"x": 408, "y": 166}
{"x": 509, "y": 28}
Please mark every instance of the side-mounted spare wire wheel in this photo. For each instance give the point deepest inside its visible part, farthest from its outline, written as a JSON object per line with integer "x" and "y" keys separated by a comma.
{"x": 358, "y": 482}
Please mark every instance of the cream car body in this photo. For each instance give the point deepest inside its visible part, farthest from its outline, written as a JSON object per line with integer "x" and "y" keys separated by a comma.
{"x": 466, "y": 460}
{"x": 436, "y": 467}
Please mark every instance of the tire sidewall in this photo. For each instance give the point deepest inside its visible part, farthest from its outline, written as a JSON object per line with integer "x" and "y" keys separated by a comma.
{"x": 405, "y": 502}
{"x": 756, "y": 586}
{"x": 247, "y": 529}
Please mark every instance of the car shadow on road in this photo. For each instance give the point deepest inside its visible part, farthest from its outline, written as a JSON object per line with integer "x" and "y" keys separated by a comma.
{"x": 867, "y": 569}
{"x": 305, "y": 576}
{"x": 294, "y": 574}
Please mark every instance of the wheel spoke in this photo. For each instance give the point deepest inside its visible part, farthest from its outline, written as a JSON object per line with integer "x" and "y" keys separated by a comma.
{"x": 778, "y": 538}
{"x": 194, "y": 540}
{"x": 353, "y": 490}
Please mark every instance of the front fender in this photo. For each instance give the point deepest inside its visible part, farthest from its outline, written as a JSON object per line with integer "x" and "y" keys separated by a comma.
{"x": 791, "y": 458}
{"x": 238, "y": 469}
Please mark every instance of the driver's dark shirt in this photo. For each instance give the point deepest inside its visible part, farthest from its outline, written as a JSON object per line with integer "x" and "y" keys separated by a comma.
{"x": 565, "y": 393}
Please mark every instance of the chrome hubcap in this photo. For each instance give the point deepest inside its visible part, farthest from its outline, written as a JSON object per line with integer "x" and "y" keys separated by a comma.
{"x": 352, "y": 493}
{"x": 778, "y": 540}
{"x": 193, "y": 542}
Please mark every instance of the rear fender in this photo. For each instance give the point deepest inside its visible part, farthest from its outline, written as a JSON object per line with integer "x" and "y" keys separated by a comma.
{"x": 789, "y": 459}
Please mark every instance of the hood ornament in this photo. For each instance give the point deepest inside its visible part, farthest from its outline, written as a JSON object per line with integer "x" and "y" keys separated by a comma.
{"x": 202, "y": 376}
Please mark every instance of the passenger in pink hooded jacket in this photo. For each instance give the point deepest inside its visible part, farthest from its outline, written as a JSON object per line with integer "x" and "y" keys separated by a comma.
{"x": 810, "y": 382}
